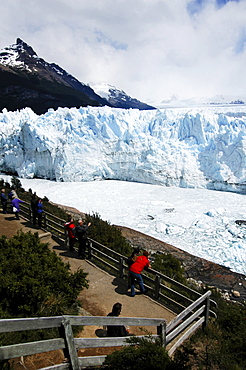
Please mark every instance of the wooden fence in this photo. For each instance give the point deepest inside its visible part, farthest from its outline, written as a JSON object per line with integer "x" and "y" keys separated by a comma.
{"x": 184, "y": 324}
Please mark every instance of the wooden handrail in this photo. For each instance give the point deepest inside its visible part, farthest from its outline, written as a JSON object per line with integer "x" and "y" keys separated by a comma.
{"x": 66, "y": 340}
{"x": 70, "y": 345}
{"x": 187, "y": 311}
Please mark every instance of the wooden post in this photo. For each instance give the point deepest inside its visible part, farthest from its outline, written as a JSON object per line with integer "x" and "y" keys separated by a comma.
{"x": 66, "y": 237}
{"x": 70, "y": 351}
{"x": 45, "y": 221}
{"x": 89, "y": 250}
{"x": 30, "y": 213}
{"x": 161, "y": 331}
{"x": 157, "y": 286}
{"x": 206, "y": 312}
{"x": 121, "y": 268}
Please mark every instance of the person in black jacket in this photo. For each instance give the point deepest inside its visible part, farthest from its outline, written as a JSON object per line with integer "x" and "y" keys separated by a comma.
{"x": 4, "y": 201}
{"x": 116, "y": 330}
{"x": 81, "y": 235}
{"x": 34, "y": 204}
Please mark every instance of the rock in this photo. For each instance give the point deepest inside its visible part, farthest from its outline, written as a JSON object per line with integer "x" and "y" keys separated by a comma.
{"x": 235, "y": 293}
{"x": 240, "y": 222}
{"x": 45, "y": 235}
{"x": 226, "y": 296}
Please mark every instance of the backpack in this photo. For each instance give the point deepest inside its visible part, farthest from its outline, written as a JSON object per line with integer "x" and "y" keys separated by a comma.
{"x": 131, "y": 260}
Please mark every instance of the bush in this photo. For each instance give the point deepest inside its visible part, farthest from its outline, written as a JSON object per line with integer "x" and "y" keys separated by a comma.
{"x": 107, "y": 234}
{"x": 16, "y": 184}
{"x": 169, "y": 266}
{"x": 143, "y": 353}
{"x": 33, "y": 279}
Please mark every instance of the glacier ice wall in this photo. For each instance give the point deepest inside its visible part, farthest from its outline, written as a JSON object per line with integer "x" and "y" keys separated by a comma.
{"x": 198, "y": 147}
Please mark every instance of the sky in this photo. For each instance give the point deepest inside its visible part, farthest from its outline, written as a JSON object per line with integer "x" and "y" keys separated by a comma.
{"x": 178, "y": 216}
{"x": 153, "y": 50}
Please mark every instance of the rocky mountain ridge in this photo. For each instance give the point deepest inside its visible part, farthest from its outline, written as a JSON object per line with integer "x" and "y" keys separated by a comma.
{"x": 26, "y": 80}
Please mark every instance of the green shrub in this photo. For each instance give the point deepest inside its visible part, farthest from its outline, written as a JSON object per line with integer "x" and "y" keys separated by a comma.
{"x": 16, "y": 184}
{"x": 143, "y": 353}
{"x": 108, "y": 235}
{"x": 170, "y": 266}
{"x": 33, "y": 279}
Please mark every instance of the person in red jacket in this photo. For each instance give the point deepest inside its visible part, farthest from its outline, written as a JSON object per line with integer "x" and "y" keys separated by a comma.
{"x": 141, "y": 263}
{"x": 70, "y": 227}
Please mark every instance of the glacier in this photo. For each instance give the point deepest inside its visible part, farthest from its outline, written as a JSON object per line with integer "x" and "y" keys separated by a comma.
{"x": 187, "y": 147}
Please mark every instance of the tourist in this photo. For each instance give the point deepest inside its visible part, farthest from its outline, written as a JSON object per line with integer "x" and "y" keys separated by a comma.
{"x": 116, "y": 330}
{"x": 4, "y": 201}
{"x": 81, "y": 233}
{"x": 141, "y": 263}
{"x": 40, "y": 210}
{"x": 12, "y": 194}
{"x": 34, "y": 202}
{"x": 132, "y": 258}
{"x": 70, "y": 227}
{"x": 16, "y": 206}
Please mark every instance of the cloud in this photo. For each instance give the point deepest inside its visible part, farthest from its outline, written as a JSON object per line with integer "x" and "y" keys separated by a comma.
{"x": 102, "y": 38}
{"x": 151, "y": 49}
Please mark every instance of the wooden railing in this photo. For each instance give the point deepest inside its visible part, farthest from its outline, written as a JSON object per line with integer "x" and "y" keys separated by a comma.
{"x": 165, "y": 290}
{"x": 192, "y": 317}
{"x": 184, "y": 324}
{"x": 66, "y": 340}
{"x": 51, "y": 223}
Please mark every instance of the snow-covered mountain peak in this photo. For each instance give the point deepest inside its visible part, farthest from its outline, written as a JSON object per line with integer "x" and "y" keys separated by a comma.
{"x": 117, "y": 97}
{"x": 106, "y": 90}
{"x": 102, "y": 89}
{"x": 30, "y": 81}
{"x": 16, "y": 55}
{"x": 23, "y": 47}
{"x": 26, "y": 80}
{"x": 22, "y": 56}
